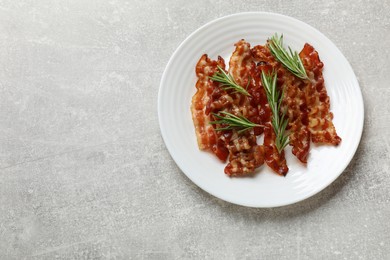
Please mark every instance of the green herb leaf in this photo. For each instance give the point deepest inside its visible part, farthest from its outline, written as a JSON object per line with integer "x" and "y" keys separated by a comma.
{"x": 233, "y": 122}
{"x": 227, "y": 82}
{"x": 289, "y": 59}
{"x": 279, "y": 122}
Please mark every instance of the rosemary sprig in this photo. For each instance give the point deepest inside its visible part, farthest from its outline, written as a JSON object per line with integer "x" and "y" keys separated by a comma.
{"x": 227, "y": 82}
{"x": 290, "y": 60}
{"x": 232, "y": 122}
{"x": 279, "y": 122}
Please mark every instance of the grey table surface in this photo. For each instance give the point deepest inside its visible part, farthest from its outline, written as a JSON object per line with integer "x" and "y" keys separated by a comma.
{"x": 84, "y": 170}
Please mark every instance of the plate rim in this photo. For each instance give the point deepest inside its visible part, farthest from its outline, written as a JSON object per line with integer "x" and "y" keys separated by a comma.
{"x": 254, "y": 205}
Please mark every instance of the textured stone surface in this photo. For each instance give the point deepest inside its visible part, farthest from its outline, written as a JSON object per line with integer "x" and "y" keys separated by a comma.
{"x": 84, "y": 170}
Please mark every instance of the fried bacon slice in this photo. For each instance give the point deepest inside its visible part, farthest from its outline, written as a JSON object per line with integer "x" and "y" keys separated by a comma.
{"x": 294, "y": 101}
{"x": 241, "y": 63}
{"x": 207, "y": 137}
{"x": 320, "y": 118}
{"x": 244, "y": 153}
{"x": 241, "y": 67}
{"x": 295, "y": 104}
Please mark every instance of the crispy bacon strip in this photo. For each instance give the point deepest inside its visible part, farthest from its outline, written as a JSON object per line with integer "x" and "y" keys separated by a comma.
{"x": 241, "y": 63}
{"x": 274, "y": 160}
{"x": 244, "y": 153}
{"x": 320, "y": 118}
{"x": 294, "y": 102}
{"x": 207, "y": 137}
{"x": 240, "y": 66}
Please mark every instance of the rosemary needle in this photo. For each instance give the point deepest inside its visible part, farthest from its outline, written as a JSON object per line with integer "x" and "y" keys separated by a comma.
{"x": 289, "y": 59}
{"x": 227, "y": 82}
{"x": 279, "y": 122}
{"x": 232, "y": 122}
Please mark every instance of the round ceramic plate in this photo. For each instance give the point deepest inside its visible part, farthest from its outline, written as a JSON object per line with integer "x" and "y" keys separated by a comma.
{"x": 265, "y": 188}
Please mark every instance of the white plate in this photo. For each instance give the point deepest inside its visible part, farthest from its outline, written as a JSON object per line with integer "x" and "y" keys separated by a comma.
{"x": 265, "y": 189}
